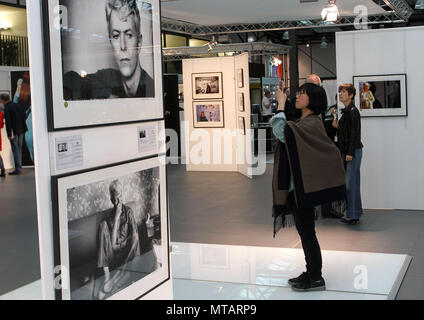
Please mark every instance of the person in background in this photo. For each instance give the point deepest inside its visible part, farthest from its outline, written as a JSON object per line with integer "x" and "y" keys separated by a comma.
{"x": 16, "y": 128}
{"x": 349, "y": 141}
{"x": 266, "y": 106}
{"x": 2, "y": 173}
{"x": 328, "y": 118}
{"x": 302, "y": 178}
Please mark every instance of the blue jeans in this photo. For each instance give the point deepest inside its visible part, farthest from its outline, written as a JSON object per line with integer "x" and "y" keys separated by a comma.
{"x": 353, "y": 186}
{"x": 16, "y": 144}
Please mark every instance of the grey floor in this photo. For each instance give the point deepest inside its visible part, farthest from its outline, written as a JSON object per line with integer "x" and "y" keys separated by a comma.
{"x": 19, "y": 256}
{"x": 220, "y": 208}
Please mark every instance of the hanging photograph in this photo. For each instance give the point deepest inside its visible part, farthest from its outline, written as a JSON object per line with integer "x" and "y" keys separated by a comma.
{"x": 111, "y": 231}
{"x": 382, "y": 95}
{"x": 208, "y": 114}
{"x": 241, "y": 101}
{"x": 240, "y": 79}
{"x": 207, "y": 85}
{"x": 242, "y": 127}
{"x": 103, "y": 62}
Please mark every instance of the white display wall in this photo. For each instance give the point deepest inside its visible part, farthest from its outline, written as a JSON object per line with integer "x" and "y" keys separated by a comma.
{"x": 392, "y": 172}
{"x": 233, "y": 153}
{"x": 100, "y": 148}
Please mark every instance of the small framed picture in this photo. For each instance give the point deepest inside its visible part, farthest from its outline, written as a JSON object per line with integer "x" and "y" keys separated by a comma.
{"x": 208, "y": 114}
{"x": 241, "y": 101}
{"x": 207, "y": 85}
{"x": 381, "y": 95}
{"x": 240, "y": 78}
{"x": 242, "y": 127}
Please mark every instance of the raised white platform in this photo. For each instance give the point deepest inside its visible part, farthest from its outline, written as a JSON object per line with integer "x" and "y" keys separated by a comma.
{"x": 222, "y": 272}
{"x": 204, "y": 271}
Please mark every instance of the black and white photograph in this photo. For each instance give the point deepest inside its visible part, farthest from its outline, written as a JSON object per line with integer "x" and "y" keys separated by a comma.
{"x": 241, "y": 101}
{"x": 113, "y": 232}
{"x": 207, "y": 85}
{"x": 383, "y": 95}
{"x": 242, "y": 126}
{"x": 105, "y": 56}
{"x": 240, "y": 78}
{"x": 62, "y": 147}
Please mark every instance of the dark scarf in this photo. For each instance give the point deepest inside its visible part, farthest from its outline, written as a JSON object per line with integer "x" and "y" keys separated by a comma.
{"x": 317, "y": 169}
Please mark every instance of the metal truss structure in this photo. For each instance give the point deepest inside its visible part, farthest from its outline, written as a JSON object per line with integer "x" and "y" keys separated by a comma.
{"x": 400, "y": 7}
{"x": 254, "y": 48}
{"x": 191, "y": 29}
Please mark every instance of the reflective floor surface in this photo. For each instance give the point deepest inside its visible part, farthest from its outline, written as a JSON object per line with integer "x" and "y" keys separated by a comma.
{"x": 223, "y": 272}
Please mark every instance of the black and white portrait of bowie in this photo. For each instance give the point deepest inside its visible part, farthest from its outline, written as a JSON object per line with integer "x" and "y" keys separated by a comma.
{"x": 107, "y": 49}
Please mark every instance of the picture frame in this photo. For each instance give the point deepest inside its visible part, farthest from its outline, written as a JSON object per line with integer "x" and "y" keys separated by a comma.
{"x": 84, "y": 72}
{"x": 381, "y": 95}
{"x": 214, "y": 257}
{"x": 85, "y": 205}
{"x": 208, "y": 114}
{"x": 240, "y": 78}
{"x": 207, "y": 85}
{"x": 242, "y": 126}
{"x": 241, "y": 101}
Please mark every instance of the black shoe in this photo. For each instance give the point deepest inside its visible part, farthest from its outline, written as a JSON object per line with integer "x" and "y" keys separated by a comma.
{"x": 2, "y": 174}
{"x": 350, "y": 221}
{"x": 299, "y": 279}
{"x": 309, "y": 285}
{"x": 16, "y": 172}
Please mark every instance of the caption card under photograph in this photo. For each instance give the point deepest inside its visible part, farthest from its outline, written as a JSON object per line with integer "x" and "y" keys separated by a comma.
{"x": 381, "y": 95}
{"x": 147, "y": 138}
{"x": 112, "y": 231}
{"x": 207, "y": 85}
{"x": 94, "y": 80}
{"x": 208, "y": 114}
{"x": 69, "y": 152}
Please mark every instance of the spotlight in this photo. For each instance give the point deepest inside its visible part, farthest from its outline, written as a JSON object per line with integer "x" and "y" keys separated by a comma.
{"x": 286, "y": 35}
{"x": 324, "y": 43}
{"x": 419, "y": 5}
{"x": 330, "y": 13}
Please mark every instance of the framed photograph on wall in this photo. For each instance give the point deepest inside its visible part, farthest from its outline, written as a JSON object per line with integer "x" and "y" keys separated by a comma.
{"x": 381, "y": 95}
{"x": 241, "y": 101}
{"x": 242, "y": 127}
{"x": 92, "y": 78}
{"x": 96, "y": 262}
{"x": 207, "y": 85}
{"x": 208, "y": 114}
{"x": 240, "y": 78}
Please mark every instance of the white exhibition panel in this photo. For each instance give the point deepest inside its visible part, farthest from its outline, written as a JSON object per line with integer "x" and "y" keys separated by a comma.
{"x": 210, "y": 65}
{"x": 94, "y": 139}
{"x": 218, "y": 147}
{"x": 244, "y": 146}
{"x": 105, "y": 145}
{"x": 392, "y": 171}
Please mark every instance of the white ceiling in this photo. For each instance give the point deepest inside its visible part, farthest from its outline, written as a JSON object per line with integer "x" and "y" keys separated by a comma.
{"x": 215, "y": 12}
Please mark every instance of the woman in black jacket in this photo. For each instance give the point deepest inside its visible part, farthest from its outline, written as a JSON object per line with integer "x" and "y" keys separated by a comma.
{"x": 349, "y": 141}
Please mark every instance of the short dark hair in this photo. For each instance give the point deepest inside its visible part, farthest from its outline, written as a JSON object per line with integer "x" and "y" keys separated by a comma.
{"x": 350, "y": 88}
{"x": 4, "y": 96}
{"x": 267, "y": 92}
{"x": 317, "y": 97}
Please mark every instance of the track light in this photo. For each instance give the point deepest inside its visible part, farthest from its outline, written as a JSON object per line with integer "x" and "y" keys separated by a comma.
{"x": 286, "y": 35}
{"x": 330, "y": 13}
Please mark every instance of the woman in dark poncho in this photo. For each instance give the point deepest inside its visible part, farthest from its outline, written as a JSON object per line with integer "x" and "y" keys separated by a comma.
{"x": 302, "y": 178}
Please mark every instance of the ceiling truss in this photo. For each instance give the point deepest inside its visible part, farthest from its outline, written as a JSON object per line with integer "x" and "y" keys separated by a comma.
{"x": 254, "y": 48}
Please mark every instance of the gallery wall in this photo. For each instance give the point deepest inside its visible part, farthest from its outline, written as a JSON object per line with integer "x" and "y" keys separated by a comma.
{"x": 392, "y": 172}
{"x": 203, "y": 136}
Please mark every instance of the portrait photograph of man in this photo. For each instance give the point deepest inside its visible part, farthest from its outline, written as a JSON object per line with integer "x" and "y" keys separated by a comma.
{"x": 107, "y": 49}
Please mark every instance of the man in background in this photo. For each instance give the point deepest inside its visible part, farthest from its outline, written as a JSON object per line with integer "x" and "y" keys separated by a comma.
{"x": 16, "y": 127}
{"x": 266, "y": 106}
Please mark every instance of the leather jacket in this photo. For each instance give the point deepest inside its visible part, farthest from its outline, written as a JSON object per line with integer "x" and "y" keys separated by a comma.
{"x": 349, "y": 131}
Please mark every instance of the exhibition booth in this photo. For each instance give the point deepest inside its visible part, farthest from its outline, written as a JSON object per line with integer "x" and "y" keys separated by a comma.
{"x": 101, "y": 165}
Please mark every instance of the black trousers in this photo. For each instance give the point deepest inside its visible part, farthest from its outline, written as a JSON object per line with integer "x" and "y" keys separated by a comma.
{"x": 305, "y": 225}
